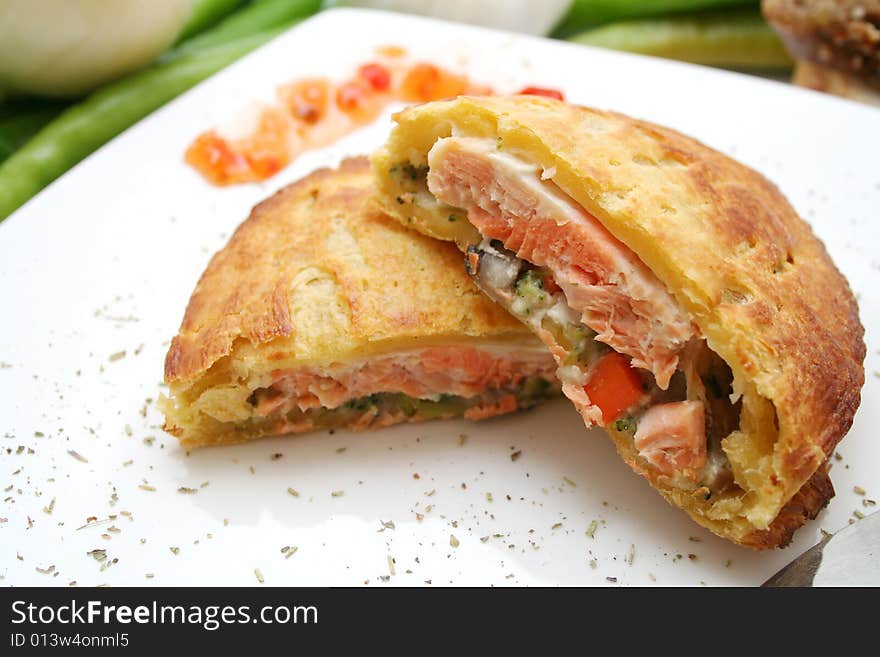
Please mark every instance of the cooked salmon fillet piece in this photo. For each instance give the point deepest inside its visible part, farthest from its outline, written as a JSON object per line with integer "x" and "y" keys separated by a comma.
{"x": 585, "y": 277}
{"x": 461, "y": 371}
{"x": 618, "y": 296}
{"x": 672, "y": 437}
{"x": 476, "y": 383}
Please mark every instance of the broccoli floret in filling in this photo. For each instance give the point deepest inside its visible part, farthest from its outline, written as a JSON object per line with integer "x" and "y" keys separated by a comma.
{"x": 533, "y": 296}
{"x": 625, "y": 425}
{"x": 533, "y": 391}
{"x": 530, "y": 287}
{"x": 409, "y": 171}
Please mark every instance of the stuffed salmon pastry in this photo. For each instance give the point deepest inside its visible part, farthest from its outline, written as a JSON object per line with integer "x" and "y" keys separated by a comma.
{"x": 691, "y": 312}
{"x": 323, "y": 312}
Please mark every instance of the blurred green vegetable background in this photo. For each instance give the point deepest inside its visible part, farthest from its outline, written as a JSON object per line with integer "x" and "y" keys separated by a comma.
{"x": 41, "y": 138}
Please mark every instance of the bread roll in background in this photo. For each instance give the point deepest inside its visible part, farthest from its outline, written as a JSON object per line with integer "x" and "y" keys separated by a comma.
{"x": 836, "y": 44}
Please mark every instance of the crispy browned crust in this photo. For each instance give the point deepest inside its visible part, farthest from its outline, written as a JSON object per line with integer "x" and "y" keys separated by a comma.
{"x": 317, "y": 276}
{"x": 723, "y": 239}
{"x": 841, "y": 34}
{"x": 246, "y": 291}
{"x": 806, "y": 504}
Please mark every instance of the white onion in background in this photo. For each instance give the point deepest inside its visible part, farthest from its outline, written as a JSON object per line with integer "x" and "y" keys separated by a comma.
{"x": 68, "y": 47}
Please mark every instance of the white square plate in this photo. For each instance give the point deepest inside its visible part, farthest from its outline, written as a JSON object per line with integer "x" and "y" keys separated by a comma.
{"x": 104, "y": 260}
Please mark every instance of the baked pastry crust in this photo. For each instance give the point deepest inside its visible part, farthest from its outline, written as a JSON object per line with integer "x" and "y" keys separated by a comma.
{"x": 757, "y": 283}
{"x": 317, "y": 276}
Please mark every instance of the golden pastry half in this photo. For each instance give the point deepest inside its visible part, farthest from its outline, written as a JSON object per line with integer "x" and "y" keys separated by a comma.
{"x": 692, "y": 313}
{"x": 323, "y": 312}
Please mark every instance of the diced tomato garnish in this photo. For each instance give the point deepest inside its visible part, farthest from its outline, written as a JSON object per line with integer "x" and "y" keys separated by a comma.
{"x": 424, "y": 82}
{"x": 358, "y": 99}
{"x": 377, "y": 75}
{"x": 255, "y": 157}
{"x": 350, "y": 95}
{"x": 214, "y": 158}
{"x": 268, "y": 148}
{"x": 543, "y": 91}
{"x": 613, "y": 386}
{"x": 306, "y": 100}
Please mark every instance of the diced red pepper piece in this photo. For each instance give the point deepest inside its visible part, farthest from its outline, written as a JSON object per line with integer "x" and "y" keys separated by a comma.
{"x": 614, "y": 386}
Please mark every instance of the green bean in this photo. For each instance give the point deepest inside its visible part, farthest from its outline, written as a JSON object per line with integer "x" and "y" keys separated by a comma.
{"x": 89, "y": 124}
{"x": 733, "y": 39}
{"x": 254, "y": 18}
{"x": 206, "y": 13}
{"x": 585, "y": 14}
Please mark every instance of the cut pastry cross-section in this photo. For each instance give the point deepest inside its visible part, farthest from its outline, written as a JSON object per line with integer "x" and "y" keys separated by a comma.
{"x": 691, "y": 312}
{"x": 323, "y": 312}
